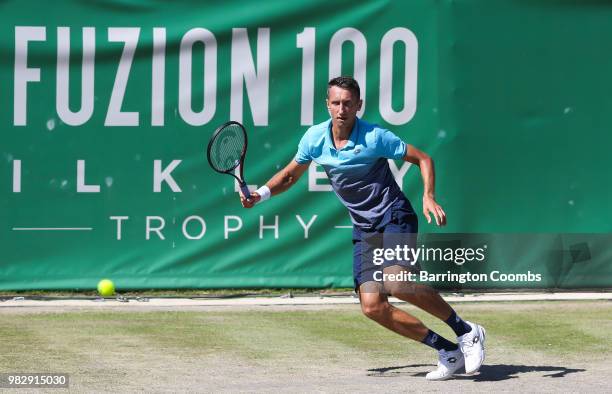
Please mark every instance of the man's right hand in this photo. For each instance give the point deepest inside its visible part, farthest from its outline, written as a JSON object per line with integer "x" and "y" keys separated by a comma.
{"x": 280, "y": 182}
{"x": 251, "y": 201}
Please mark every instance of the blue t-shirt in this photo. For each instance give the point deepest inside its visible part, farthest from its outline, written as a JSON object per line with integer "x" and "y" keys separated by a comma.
{"x": 359, "y": 172}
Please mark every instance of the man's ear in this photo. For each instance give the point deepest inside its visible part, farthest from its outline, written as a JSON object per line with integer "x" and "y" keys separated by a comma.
{"x": 359, "y": 104}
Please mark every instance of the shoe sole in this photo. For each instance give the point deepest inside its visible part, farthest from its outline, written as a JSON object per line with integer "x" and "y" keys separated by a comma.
{"x": 439, "y": 379}
{"x": 457, "y": 372}
{"x": 483, "y": 336}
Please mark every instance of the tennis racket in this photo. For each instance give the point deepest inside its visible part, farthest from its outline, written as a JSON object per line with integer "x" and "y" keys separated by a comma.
{"x": 226, "y": 152}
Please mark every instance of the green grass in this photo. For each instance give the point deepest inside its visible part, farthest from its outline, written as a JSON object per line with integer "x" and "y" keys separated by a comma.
{"x": 97, "y": 347}
{"x": 573, "y": 328}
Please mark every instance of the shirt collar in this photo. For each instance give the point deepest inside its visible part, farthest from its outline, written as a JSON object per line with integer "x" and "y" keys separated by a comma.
{"x": 352, "y": 137}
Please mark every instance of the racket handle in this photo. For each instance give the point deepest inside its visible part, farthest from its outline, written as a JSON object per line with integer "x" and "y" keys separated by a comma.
{"x": 245, "y": 190}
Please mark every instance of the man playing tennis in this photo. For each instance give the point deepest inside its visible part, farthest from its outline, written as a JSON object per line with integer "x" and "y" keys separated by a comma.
{"x": 354, "y": 155}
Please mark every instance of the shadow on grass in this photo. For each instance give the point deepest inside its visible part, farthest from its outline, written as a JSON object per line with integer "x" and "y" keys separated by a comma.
{"x": 487, "y": 373}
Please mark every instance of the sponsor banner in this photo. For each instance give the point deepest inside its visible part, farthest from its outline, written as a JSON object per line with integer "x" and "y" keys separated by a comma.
{"x": 108, "y": 109}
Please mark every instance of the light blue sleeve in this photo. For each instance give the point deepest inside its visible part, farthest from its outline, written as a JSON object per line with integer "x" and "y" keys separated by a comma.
{"x": 303, "y": 153}
{"x": 389, "y": 145}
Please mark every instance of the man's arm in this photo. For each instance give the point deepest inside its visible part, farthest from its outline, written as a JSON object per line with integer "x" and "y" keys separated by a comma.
{"x": 426, "y": 165}
{"x": 280, "y": 182}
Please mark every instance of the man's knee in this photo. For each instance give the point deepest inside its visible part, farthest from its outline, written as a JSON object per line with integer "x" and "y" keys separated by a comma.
{"x": 375, "y": 310}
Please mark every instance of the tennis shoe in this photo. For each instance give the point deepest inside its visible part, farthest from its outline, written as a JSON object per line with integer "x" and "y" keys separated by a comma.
{"x": 471, "y": 345}
{"x": 449, "y": 362}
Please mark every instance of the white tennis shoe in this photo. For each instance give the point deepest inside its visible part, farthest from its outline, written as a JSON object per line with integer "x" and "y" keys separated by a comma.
{"x": 471, "y": 345}
{"x": 449, "y": 362}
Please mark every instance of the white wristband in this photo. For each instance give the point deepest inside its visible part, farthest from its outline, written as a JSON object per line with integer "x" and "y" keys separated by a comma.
{"x": 264, "y": 193}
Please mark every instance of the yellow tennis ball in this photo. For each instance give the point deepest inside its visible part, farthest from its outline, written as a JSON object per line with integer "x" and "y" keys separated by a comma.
{"x": 106, "y": 288}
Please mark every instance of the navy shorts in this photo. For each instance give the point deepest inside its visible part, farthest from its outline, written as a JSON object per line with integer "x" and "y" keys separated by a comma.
{"x": 387, "y": 245}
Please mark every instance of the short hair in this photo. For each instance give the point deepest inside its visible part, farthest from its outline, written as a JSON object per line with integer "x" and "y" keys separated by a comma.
{"x": 348, "y": 83}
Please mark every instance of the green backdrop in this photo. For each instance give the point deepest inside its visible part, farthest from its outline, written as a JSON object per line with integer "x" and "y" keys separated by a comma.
{"x": 510, "y": 97}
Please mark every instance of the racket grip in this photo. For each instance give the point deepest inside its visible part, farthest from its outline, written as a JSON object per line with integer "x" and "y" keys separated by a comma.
{"x": 245, "y": 190}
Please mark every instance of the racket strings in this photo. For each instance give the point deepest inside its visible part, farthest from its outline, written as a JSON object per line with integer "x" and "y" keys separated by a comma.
{"x": 226, "y": 149}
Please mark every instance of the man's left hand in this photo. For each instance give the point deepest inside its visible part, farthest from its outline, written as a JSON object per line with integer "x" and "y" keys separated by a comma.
{"x": 431, "y": 206}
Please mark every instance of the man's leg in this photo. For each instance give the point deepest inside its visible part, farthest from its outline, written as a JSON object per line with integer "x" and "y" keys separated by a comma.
{"x": 426, "y": 298}
{"x": 471, "y": 337}
{"x": 375, "y": 305}
{"x": 400, "y": 232}
{"x": 422, "y": 296}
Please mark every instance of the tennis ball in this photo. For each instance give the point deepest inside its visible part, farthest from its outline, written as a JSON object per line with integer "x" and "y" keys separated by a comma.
{"x": 106, "y": 287}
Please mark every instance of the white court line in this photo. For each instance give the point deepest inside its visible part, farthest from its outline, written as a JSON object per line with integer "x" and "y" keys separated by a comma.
{"x": 52, "y": 228}
{"x": 343, "y": 226}
{"x": 7, "y": 305}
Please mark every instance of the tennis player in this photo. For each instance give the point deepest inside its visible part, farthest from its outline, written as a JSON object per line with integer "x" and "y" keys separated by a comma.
{"x": 354, "y": 155}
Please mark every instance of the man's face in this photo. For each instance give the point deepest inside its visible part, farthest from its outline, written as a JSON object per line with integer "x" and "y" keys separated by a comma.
{"x": 342, "y": 106}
